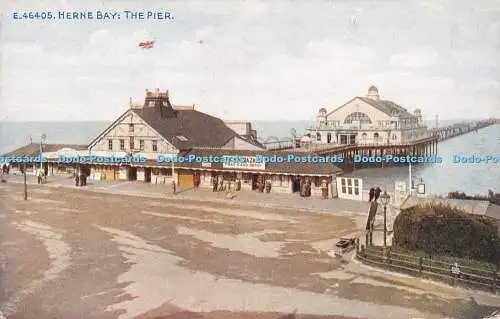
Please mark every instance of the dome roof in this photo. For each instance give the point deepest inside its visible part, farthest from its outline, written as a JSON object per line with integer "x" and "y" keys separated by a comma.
{"x": 417, "y": 111}
{"x": 322, "y": 110}
{"x": 372, "y": 88}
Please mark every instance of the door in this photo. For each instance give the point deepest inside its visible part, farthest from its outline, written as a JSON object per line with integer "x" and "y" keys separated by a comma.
{"x": 186, "y": 179}
{"x": 255, "y": 178}
{"x": 295, "y": 185}
{"x": 132, "y": 173}
{"x": 147, "y": 174}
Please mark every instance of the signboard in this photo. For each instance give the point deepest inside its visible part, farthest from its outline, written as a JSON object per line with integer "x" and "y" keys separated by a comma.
{"x": 248, "y": 162}
{"x": 206, "y": 164}
{"x": 455, "y": 269}
{"x": 421, "y": 188}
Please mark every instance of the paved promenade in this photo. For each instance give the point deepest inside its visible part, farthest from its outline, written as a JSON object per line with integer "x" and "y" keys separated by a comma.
{"x": 271, "y": 200}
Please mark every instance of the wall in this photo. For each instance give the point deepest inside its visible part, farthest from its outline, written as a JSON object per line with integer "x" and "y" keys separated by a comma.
{"x": 352, "y": 192}
{"x": 357, "y": 105}
{"x": 142, "y": 131}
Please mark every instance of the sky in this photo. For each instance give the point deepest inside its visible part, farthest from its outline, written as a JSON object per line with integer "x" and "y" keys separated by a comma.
{"x": 252, "y": 60}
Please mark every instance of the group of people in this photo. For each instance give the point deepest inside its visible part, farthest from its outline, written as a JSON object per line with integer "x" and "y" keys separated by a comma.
{"x": 5, "y": 171}
{"x": 219, "y": 184}
{"x": 262, "y": 185}
{"x": 41, "y": 176}
{"x": 374, "y": 194}
{"x": 80, "y": 179}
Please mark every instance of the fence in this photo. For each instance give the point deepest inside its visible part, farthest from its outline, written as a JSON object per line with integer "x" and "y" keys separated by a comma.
{"x": 467, "y": 273}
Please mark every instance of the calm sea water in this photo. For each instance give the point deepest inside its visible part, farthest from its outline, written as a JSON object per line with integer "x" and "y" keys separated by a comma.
{"x": 439, "y": 178}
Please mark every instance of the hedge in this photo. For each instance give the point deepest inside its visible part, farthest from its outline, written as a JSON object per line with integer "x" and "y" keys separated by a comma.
{"x": 440, "y": 230}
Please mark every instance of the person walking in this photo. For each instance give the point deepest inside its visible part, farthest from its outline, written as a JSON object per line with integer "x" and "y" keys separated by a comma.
{"x": 174, "y": 188}
{"x": 77, "y": 180}
{"x": 377, "y": 193}
{"x": 214, "y": 184}
{"x": 371, "y": 194}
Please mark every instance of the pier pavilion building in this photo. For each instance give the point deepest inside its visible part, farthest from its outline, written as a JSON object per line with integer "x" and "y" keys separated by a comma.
{"x": 367, "y": 120}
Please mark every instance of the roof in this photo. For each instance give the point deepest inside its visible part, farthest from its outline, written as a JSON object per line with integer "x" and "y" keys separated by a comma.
{"x": 290, "y": 168}
{"x": 470, "y": 206}
{"x": 388, "y": 107}
{"x": 199, "y": 128}
{"x": 33, "y": 149}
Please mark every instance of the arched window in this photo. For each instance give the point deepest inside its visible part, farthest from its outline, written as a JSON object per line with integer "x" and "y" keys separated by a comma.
{"x": 375, "y": 136}
{"x": 329, "y": 138}
{"x": 357, "y": 116}
{"x": 363, "y": 136}
{"x": 394, "y": 137}
{"x": 318, "y": 137}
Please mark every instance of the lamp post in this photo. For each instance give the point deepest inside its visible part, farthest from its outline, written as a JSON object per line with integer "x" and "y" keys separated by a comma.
{"x": 42, "y": 141}
{"x": 25, "y": 184}
{"x": 384, "y": 198}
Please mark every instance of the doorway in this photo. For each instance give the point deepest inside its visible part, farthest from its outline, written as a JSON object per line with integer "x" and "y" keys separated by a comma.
{"x": 132, "y": 173}
{"x": 255, "y": 179}
{"x": 295, "y": 184}
{"x": 147, "y": 174}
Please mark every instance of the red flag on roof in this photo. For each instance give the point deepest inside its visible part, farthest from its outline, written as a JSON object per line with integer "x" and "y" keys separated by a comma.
{"x": 146, "y": 44}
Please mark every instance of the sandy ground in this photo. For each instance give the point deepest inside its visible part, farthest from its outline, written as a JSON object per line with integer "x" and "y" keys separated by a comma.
{"x": 72, "y": 254}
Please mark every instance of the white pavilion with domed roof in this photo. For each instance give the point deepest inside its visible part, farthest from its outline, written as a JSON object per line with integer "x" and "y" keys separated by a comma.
{"x": 368, "y": 120}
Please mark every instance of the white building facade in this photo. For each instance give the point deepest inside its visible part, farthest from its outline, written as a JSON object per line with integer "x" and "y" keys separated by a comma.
{"x": 367, "y": 121}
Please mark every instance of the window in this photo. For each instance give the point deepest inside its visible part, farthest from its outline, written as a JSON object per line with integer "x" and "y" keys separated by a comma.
{"x": 110, "y": 145}
{"x": 132, "y": 146}
{"x": 375, "y": 136}
{"x": 182, "y": 138}
{"x": 131, "y": 128}
{"x": 318, "y": 136}
{"x": 394, "y": 137}
{"x": 363, "y": 136}
{"x": 122, "y": 145}
{"x": 141, "y": 145}
{"x": 357, "y": 116}
{"x": 154, "y": 145}
{"x": 343, "y": 185}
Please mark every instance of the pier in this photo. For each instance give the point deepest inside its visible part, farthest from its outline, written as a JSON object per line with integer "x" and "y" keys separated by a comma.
{"x": 450, "y": 131}
{"x": 422, "y": 147}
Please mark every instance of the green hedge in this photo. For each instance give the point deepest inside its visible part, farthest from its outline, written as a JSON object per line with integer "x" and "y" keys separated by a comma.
{"x": 440, "y": 230}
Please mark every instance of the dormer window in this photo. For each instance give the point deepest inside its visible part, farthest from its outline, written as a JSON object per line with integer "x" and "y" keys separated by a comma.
{"x": 182, "y": 138}
{"x": 131, "y": 128}
{"x": 154, "y": 145}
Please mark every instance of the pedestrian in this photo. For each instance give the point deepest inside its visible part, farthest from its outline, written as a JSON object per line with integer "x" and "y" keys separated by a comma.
{"x": 77, "y": 180}
{"x": 214, "y": 184}
{"x": 377, "y": 193}
{"x": 371, "y": 194}
{"x": 173, "y": 187}
{"x": 39, "y": 176}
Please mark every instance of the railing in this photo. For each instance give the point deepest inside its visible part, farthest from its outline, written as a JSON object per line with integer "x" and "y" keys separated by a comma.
{"x": 468, "y": 273}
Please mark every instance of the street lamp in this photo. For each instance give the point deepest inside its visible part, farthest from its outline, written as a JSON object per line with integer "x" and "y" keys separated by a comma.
{"x": 43, "y": 139}
{"x": 384, "y": 198}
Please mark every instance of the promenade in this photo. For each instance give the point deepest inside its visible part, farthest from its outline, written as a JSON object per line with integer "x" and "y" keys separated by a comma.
{"x": 266, "y": 200}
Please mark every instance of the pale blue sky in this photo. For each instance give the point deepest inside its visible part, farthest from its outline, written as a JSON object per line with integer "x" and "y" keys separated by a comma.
{"x": 274, "y": 60}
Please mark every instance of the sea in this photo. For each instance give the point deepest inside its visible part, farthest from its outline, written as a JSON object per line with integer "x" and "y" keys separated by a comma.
{"x": 439, "y": 179}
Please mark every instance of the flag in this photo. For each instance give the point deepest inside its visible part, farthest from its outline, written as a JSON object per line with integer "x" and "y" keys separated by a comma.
{"x": 146, "y": 44}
